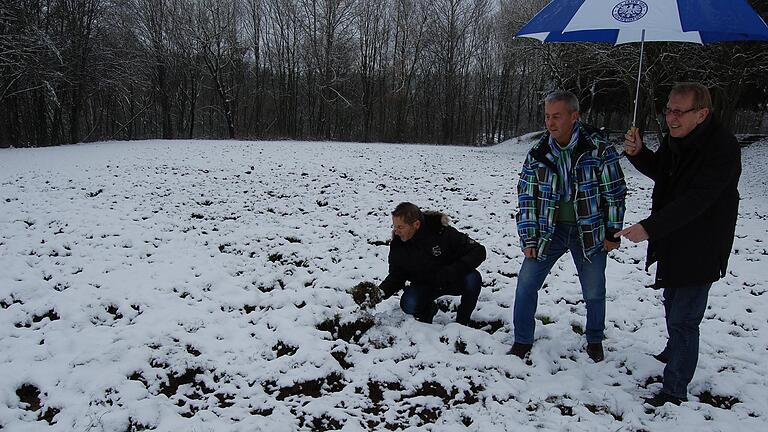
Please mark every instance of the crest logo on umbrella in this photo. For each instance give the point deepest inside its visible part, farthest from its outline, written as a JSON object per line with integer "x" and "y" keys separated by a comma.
{"x": 630, "y": 10}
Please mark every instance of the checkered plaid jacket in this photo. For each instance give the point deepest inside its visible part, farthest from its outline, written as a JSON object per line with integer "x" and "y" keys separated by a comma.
{"x": 599, "y": 199}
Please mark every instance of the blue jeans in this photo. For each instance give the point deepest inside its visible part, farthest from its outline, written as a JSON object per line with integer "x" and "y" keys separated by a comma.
{"x": 417, "y": 300}
{"x": 684, "y": 308}
{"x": 532, "y": 275}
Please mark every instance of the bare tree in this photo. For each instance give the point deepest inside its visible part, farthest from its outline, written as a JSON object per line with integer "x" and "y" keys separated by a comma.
{"x": 215, "y": 32}
{"x": 79, "y": 21}
{"x": 283, "y": 35}
{"x": 255, "y": 27}
{"x": 153, "y": 22}
{"x": 372, "y": 28}
{"x": 454, "y": 42}
{"x": 408, "y": 45}
{"x": 326, "y": 25}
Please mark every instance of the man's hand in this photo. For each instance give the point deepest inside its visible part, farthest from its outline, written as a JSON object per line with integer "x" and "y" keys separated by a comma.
{"x": 632, "y": 142}
{"x": 636, "y": 233}
{"x": 609, "y": 245}
{"x": 530, "y": 253}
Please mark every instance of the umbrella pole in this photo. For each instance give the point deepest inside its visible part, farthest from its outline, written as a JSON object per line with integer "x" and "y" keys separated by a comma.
{"x": 639, "y": 72}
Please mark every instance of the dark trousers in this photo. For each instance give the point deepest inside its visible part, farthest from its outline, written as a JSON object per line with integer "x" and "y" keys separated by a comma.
{"x": 684, "y": 308}
{"x": 419, "y": 301}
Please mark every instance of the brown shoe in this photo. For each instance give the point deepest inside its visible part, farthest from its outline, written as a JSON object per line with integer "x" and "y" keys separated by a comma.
{"x": 595, "y": 351}
{"x": 520, "y": 349}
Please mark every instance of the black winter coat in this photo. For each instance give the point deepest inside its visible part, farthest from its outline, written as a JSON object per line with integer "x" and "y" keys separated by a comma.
{"x": 694, "y": 205}
{"x": 435, "y": 258}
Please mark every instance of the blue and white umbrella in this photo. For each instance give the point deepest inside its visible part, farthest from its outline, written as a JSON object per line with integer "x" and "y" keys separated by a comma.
{"x": 624, "y": 21}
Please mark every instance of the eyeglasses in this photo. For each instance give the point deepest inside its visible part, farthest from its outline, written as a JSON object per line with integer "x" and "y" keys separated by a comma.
{"x": 677, "y": 112}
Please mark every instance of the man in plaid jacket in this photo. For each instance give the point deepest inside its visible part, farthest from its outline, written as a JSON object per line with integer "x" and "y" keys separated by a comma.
{"x": 571, "y": 198}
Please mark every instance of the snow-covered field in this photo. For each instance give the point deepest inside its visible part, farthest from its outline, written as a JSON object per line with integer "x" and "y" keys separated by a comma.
{"x": 204, "y": 286}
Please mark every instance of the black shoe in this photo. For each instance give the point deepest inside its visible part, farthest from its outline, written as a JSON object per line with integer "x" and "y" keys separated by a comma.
{"x": 428, "y": 315}
{"x": 662, "y": 357}
{"x": 520, "y": 349}
{"x": 595, "y": 351}
{"x": 464, "y": 322}
{"x": 661, "y": 398}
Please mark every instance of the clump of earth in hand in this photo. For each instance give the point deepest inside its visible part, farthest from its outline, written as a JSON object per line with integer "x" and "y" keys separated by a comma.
{"x": 366, "y": 294}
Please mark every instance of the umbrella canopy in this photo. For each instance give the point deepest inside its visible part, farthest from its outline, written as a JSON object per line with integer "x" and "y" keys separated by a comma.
{"x": 623, "y": 21}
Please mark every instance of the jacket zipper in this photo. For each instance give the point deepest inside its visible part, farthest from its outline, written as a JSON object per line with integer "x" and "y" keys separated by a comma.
{"x": 578, "y": 225}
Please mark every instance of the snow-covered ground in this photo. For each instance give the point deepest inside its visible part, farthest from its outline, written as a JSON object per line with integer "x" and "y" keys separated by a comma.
{"x": 204, "y": 286}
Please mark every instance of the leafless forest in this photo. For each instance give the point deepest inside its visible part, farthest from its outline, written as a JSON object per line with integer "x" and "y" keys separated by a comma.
{"x": 436, "y": 71}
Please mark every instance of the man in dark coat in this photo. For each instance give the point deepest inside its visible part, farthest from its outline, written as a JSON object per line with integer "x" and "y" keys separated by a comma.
{"x": 436, "y": 258}
{"x": 692, "y": 223}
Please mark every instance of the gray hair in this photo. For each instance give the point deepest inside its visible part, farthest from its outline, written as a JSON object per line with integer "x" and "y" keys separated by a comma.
{"x": 701, "y": 96}
{"x": 565, "y": 96}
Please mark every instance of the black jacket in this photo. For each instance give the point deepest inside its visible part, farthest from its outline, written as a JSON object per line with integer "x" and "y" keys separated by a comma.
{"x": 436, "y": 256}
{"x": 694, "y": 206}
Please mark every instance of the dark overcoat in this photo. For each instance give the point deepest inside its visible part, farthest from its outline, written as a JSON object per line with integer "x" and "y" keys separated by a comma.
{"x": 694, "y": 205}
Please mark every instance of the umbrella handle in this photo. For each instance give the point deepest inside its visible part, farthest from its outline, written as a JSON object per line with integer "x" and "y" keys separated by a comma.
{"x": 639, "y": 72}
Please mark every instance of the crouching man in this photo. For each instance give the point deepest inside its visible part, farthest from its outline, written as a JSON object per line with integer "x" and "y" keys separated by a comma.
{"x": 436, "y": 259}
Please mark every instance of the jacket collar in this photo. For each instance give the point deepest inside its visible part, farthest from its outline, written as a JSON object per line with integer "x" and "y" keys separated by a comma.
{"x": 433, "y": 224}
{"x": 686, "y": 143}
{"x": 543, "y": 153}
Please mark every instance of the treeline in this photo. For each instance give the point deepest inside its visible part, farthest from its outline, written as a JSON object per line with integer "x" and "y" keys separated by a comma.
{"x": 437, "y": 71}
